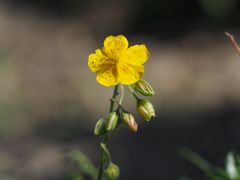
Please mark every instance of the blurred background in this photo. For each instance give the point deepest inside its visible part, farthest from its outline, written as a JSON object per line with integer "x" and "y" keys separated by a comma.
{"x": 50, "y": 101}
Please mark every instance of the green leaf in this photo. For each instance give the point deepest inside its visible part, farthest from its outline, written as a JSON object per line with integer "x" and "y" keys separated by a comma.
{"x": 231, "y": 168}
{"x": 84, "y": 163}
{"x": 221, "y": 173}
{"x": 196, "y": 160}
{"x": 231, "y": 171}
{"x": 73, "y": 176}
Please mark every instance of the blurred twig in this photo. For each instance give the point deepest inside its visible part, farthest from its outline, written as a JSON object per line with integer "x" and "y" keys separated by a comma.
{"x": 233, "y": 41}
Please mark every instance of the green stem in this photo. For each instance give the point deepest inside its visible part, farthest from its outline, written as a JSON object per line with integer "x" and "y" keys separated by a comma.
{"x": 133, "y": 92}
{"x": 119, "y": 103}
{"x": 106, "y": 136}
{"x": 106, "y": 152}
{"x": 122, "y": 95}
{"x": 115, "y": 93}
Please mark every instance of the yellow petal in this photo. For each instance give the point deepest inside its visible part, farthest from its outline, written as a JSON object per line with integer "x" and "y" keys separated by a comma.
{"x": 98, "y": 61}
{"x": 115, "y": 45}
{"x": 129, "y": 74}
{"x": 108, "y": 77}
{"x": 137, "y": 54}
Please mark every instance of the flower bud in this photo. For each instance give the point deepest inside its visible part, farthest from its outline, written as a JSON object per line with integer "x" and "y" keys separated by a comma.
{"x": 145, "y": 108}
{"x": 112, "y": 172}
{"x": 144, "y": 88}
{"x": 112, "y": 121}
{"x": 100, "y": 128}
{"x": 130, "y": 121}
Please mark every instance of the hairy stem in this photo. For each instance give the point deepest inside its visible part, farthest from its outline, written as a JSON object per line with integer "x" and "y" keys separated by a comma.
{"x": 106, "y": 136}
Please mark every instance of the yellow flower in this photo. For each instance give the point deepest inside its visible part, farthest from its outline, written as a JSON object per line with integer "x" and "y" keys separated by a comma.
{"x": 117, "y": 63}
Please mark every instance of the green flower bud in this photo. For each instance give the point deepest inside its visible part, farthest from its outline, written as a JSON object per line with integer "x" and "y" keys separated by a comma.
{"x": 112, "y": 121}
{"x": 130, "y": 121}
{"x": 100, "y": 127}
{"x": 112, "y": 172}
{"x": 144, "y": 88}
{"x": 145, "y": 108}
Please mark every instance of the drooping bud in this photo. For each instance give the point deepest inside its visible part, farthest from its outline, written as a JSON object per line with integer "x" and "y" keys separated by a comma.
{"x": 100, "y": 127}
{"x": 145, "y": 108}
{"x": 112, "y": 172}
{"x": 130, "y": 121}
{"x": 112, "y": 121}
{"x": 144, "y": 88}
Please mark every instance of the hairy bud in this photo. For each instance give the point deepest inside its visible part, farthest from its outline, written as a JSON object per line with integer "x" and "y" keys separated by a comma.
{"x": 112, "y": 121}
{"x": 144, "y": 88}
{"x": 130, "y": 121}
{"x": 100, "y": 127}
{"x": 112, "y": 172}
{"x": 145, "y": 108}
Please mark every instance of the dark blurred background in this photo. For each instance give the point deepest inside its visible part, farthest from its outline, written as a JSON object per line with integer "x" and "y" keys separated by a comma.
{"x": 50, "y": 101}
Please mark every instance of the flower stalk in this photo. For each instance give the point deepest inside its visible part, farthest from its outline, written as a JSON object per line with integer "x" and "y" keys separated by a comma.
{"x": 107, "y": 135}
